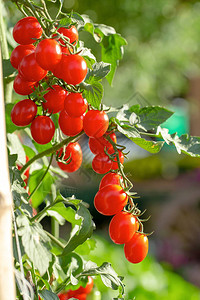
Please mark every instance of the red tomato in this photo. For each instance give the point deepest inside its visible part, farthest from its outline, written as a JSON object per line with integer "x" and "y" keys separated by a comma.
{"x": 68, "y": 125}
{"x": 73, "y": 157}
{"x": 110, "y": 178}
{"x": 87, "y": 289}
{"x": 63, "y": 296}
{"x": 99, "y": 145}
{"x": 115, "y": 163}
{"x": 75, "y": 105}
{"x": 95, "y": 123}
{"x": 24, "y": 112}
{"x": 27, "y": 30}
{"x": 137, "y": 248}
{"x": 71, "y": 33}
{"x": 30, "y": 69}
{"x": 110, "y": 200}
{"x": 72, "y": 69}
{"x": 101, "y": 163}
{"x": 54, "y": 99}
{"x": 23, "y": 87}
{"x": 48, "y": 54}
{"x": 42, "y": 129}
{"x": 19, "y": 52}
{"x": 122, "y": 227}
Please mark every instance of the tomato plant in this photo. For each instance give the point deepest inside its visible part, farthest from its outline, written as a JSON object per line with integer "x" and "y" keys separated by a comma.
{"x": 61, "y": 80}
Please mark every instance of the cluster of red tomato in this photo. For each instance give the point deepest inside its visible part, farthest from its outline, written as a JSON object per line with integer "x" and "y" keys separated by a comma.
{"x": 80, "y": 294}
{"x": 52, "y": 57}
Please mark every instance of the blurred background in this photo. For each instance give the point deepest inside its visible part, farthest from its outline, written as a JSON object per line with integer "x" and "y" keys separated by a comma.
{"x": 161, "y": 66}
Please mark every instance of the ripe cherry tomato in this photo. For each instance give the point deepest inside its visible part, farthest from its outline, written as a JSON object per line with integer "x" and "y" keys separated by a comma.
{"x": 95, "y": 123}
{"x": 110, "y": 178}
{"x": 24, "y": 112}
{"x": 99, "y": 145}
{"x": 101, "y": 163}
{"x": 87, "y": 289}
{"x": 115, "y": 163}
{"x": 48, "y": 54}
{"x": 137, "y": 248}
{"x": 42, "y": 129}
{"x": 75, "y": 105}
{"x": 71, "y": 33}
{"x": 30, "y": 69}
{"x": 19, "y": 52}
{"x": 122, "y": 227}
{"x": 27, "y": 30}
{"x": 23, "y": 87}
{"x": 54, "y": 99}
{"x": 73, "y": 156}
{"x": 70, "y": 126}
{"x": 72, "y": 69}
{"x": 110, "y": 200}
{"x": 63, "y": 296}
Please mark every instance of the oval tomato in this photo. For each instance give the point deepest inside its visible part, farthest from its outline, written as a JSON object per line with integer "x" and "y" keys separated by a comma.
{"x": 30, "y": 69}
{"x": 19, "y": 52}
{"x": 137, "y": 248}
{"x": 23, "y": 87}
{"x": 99, "y": 145}
{"x": 110, "y": 178}
{"x": 54, "y": 99}
{"x": 75, "y": 105}
{"x": 95, "y": 123}
{"x": 42, "y": 129}
{"x": 110, "y": 200}
{"x": 24, "y": 112}
{"x": 101, "y": 163}
{"x": 68, "y": 125}
{"x": 122, "y": 227}
{"x": 115, "y": 163}
{"x": 48, "y": 54}
{"x": 27, "y": 30}
{"x": 72, "y": 69}
{"x": 73, "y": 156}
{"x": 71, "y": 33}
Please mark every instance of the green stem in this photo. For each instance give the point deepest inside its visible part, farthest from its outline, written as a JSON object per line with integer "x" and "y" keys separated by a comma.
{"x": 59, "y": 10}
{"x": 42, "y": 212}
{"x": 35, "y": 282}
{"x": 127, "y": 183}
{"x": 50, "y": 151}
{"x": 55, "y": 240}
{"x": 55, "y": 228}
{"x": 35, "y": 189}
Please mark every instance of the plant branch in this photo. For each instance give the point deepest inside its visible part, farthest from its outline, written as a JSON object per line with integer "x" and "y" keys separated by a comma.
{"x": 50, "y": 151}
{"x": 45, "y": 173}
{"x": 55, "y": 240}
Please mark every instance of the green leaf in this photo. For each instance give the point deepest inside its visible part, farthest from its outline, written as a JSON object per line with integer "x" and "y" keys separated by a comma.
{"x": 20, "y": 199}
{"x": 99, "y": 70}
{"x": 72, "y": 265}
{"x": 108, "y": 276}
{"x": 88, "y": 56}
{"x": 67, "y": 213}
{"x": 86, "y": 247}
{"x": 84, "y": 233}
{"x": 15, "y": 147}
{"x": 148, "y": 117}
{"x": 35, "y": 242}
{"x": 112, "y": 52}
{"x": 189, "y": 145}
{"x": 8, "y": 68}
{"x": 133, "y": 134}
{"x": 29, "y": 151}
{"x": 44, "y": 188}
{"x": 48, "y": 295}
{"x": 93, "y": 92}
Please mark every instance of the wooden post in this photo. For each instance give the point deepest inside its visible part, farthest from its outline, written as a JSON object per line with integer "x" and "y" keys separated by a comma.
{"x": 7, "y": 280}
